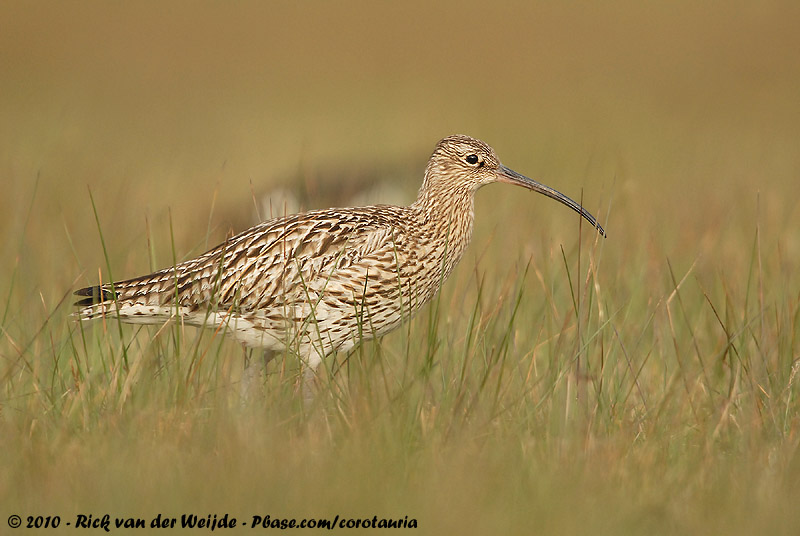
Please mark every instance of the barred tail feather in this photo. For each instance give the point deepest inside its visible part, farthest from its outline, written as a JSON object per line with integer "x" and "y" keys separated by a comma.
{"x": 95, "y": 294}
{"x": 123, "y": 302}
{"x": 134, "y": 297}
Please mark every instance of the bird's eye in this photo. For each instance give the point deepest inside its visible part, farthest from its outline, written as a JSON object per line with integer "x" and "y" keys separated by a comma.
{"x": 472, "y": 159}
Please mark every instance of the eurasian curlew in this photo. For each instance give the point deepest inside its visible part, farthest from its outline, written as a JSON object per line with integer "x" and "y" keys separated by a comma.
{"x": 322, "y": 281}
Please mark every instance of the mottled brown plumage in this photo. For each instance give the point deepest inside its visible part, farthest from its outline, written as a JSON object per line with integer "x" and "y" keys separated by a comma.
{"x": 324, "y": 280}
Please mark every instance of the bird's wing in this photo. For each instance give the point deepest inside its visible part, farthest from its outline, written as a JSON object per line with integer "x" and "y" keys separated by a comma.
{"x": 264, "y": 265}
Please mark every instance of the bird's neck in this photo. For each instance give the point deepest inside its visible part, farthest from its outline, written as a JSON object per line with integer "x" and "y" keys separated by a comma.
{"x": 445, "y": 217}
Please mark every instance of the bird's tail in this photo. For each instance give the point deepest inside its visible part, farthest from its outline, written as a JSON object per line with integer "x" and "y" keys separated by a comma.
{"x": 95, "y": 301}
{"x": 94, "y": 295}
{"x": 141, "y": 296}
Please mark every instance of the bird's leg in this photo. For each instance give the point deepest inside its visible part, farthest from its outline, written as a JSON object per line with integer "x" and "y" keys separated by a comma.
{"x": 267, "y": 356}
{"x": 247, "y": 384}
{"x": 252, "y": 383}
{"x": 308, "y": 381}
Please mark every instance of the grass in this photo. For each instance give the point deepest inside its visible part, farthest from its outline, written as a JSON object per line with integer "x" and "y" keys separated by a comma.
{"x": 560, "y": 383}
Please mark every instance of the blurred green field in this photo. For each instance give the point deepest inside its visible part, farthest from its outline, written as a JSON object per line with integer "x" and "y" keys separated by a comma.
{"x": 560, "y": 384}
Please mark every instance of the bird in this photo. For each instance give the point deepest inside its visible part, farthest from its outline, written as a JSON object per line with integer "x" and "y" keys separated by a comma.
{"x": 322, "y": 281}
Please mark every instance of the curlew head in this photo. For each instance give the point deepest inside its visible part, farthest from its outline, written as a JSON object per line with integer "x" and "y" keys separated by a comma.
{"x": 460, "y": 162}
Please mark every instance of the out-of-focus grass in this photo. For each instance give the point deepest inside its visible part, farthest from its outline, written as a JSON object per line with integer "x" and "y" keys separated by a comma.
{"x": 643, "y": 383}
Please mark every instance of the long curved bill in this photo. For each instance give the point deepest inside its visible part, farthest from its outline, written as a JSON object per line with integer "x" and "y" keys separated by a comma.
{"x": 510, "y": 176}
